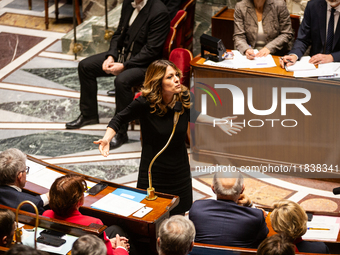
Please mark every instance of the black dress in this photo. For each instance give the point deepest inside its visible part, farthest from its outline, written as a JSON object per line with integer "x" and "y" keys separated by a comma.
{"x": 171, "y": 170}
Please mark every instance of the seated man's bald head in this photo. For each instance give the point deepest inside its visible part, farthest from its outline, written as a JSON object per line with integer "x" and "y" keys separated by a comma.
{"x": 228, "y": 185}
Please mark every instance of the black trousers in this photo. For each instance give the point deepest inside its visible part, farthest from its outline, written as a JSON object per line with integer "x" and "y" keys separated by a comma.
{"x": 91, "y": 68}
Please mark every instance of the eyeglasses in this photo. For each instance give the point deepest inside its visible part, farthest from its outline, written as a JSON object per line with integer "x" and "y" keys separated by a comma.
{"x": 27, "y": 170}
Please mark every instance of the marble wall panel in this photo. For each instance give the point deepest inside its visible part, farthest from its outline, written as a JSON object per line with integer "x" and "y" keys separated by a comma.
{"x": 56, "y": 110}
{"x": 52, "y": 143}
{"x": 13, "y": 46}
{"x": 107, "y": 171}
{"x": 68, "y": 77}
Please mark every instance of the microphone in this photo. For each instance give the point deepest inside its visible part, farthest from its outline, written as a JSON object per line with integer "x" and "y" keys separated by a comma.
{"x": 336, "y": 191}
{"x": 151, "y": 190}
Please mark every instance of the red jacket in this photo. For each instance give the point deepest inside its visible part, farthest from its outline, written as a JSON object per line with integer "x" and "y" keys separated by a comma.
{"x": 77, "y": 218}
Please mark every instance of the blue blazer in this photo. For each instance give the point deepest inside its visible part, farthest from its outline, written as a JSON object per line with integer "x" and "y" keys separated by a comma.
{"x": 223, "y": 222}
{"x": 313, "y": 31}
{"x": 12, "y": 198}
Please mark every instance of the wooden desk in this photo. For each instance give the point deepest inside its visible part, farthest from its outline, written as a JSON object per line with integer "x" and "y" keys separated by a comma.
{"x": 315, "y": 139}
{"x": 203, "y": 249}
{"x": 144, "y": 227}
{"x": 28, "y": 219}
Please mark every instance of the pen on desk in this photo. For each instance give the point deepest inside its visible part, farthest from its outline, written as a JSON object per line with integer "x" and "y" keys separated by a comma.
{"x": 318, "y": 228}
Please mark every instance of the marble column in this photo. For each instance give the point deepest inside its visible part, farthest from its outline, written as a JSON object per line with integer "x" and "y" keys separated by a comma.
{"x": 96, "y": 7}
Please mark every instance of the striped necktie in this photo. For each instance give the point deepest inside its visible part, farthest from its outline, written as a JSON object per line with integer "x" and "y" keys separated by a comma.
{"x": 330, "y": 33}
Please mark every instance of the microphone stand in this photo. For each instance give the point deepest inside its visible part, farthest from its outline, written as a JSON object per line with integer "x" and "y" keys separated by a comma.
{"x": 151, "y": 190}
{"x": 18, "y": 231}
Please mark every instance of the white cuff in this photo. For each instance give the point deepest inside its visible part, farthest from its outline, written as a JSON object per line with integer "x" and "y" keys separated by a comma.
{"x": 293, "y": 54}
{"x": 121, "y": 247}
{"x": 45, "y": 200}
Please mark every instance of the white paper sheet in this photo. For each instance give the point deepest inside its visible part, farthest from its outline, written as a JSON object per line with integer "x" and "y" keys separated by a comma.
{"x": 301, "y": 65}
{"x": 118, "y": 205}
{"x": 324, "y": 71}
{"x": 34, "y": 167}
{"x": 333, "y": 68}
{"x": 241, "y": 61}
{"x": 45, "y": 177}
{"x": 323, "y": 228}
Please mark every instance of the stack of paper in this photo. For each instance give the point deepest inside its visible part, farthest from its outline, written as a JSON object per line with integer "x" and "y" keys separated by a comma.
{"x": 303, "y": 68}
{"x": 117, "y": 204}
{"x": 331, "y": 70}
{"x": 301, "y": 65}
{"x": 241, "y": 61}
{"x": 324, "y": 228}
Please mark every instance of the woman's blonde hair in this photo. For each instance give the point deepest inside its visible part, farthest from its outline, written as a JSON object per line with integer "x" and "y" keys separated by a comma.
{"x": 152, "y": 87}
{"x": 289, "y": 218}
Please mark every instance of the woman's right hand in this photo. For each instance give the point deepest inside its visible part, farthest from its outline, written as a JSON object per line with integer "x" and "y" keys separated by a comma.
{"x": 121, "y": 241}
{"x": 104, "y": 146}
{"x": 250, "y": 54}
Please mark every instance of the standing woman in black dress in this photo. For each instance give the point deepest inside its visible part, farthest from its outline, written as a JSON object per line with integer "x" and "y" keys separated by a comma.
{"x": 154, "y": 109}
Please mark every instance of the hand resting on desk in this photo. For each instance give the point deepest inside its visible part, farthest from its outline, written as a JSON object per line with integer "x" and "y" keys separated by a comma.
{"x": 290, "y": 60}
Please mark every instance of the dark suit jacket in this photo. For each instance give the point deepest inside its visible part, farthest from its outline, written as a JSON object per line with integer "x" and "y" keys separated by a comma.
{"x": 173, "y": 6}
{"x": 223, "y": 222}
{"x": 313, "y": 31}
{"x": 312, "y": 247}
{"x": 146, "y": 36}
{"x": 12, "y": 198}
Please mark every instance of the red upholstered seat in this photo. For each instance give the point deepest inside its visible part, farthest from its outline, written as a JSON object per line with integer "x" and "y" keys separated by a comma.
{"x": 189, "y": 7}
{"x": 168, "y": 45}
{"x": 178, "y": 23}
{"x": 181, "y": 58}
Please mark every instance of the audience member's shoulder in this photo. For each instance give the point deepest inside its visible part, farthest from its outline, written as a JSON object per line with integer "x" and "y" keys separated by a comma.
{"x": 142, "y": 100}
{"x": 312, "y": 247}
{"x": 159, "y": 5}
{"x": 200, "y": 203}
{"x": 242, "y": 4}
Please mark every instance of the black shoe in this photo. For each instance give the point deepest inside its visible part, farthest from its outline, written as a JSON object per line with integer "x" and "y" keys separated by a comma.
{"x": 111, "y": 92}
{"x": 118, "y": 140}
{"x": 81, "y": 121}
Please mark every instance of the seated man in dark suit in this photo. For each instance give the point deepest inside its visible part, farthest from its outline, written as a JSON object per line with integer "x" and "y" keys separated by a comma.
{"x": 137, "y": 42}
{"x": 7, "y": 227}
{"x": 230, "y": 220}
{"x": 13, "y": 171}
{"x": 319, "y": 29}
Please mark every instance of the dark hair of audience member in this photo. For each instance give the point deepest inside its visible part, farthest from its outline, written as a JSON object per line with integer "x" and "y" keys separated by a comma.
{"x": 20, "y": 249}
{"x": 7, "y": 227}
{"x": 276, "y": 245}
{"x": 65, "y": 193}
{"x": 89, "y": 245}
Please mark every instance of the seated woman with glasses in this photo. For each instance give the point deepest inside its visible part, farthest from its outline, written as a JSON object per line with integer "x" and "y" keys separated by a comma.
{"x": 67, "y": 196}
{"x": 13, "y": 172}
